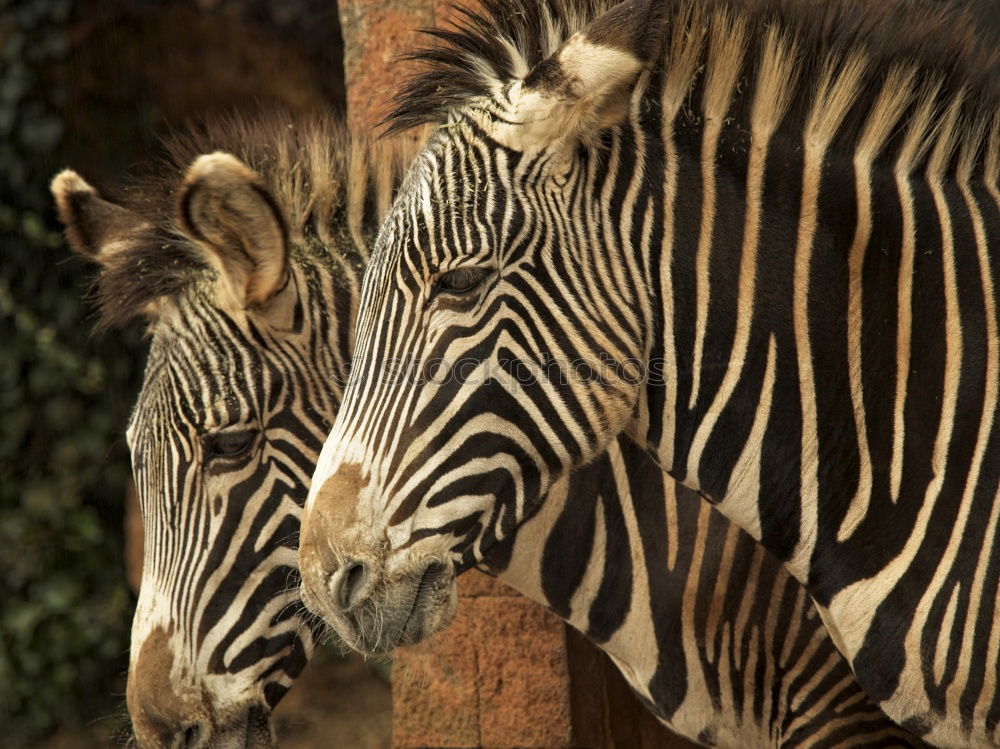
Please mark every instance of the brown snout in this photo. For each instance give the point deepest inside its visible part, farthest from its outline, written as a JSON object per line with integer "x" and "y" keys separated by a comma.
{"x": 160, "y": 716}
{"x": 375, "y": 598}
{"x": 165, "y": 717}
{"x": 330, "y": 574}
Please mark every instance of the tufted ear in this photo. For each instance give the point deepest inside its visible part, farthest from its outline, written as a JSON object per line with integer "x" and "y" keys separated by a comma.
{"x": 224, "y": 206}
{"x": 585, "y": 85}
{"x": 95, "y": 228}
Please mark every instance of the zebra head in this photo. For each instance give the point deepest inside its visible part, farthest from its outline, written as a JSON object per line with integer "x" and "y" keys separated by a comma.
{"x": 248, "y": 285}
{"x": 482, "y": 372}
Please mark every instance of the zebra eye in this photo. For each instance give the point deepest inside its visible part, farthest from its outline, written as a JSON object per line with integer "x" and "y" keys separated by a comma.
{"x": 461, "y": 280}
{"x": 227, "y": 444}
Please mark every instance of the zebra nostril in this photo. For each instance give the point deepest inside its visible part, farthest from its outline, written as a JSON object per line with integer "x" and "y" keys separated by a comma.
{"x": 347, "y": 584}
{"x": 194, "y": 736}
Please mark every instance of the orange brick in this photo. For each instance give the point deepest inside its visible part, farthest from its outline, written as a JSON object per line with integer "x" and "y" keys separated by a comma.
{"x": 445, "y": 14}
{"x": 473, "y": 584}
{"x": 523, "y": 684}
{"x": 375, "y": 34}
{"x": 434, "y": 701}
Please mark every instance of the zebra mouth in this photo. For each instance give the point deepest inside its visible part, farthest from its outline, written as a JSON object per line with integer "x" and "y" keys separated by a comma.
{"x": 424, "y": 592}
{"x": 377, "y": 604}
{"x": 253, "y": 731}
{"x": 258, "y": 730}
{"x": 405, "y": 613}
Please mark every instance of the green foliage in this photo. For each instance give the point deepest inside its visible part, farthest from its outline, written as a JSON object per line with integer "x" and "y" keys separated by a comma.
{"x": 65, "y": 607}
{"x": 32, "y": 37}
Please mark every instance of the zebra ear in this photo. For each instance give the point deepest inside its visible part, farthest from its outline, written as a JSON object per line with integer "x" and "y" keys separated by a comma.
{"x": 95, "y": 228}
{"x": 584, "y": 87}
{"x": 225, "y": 207}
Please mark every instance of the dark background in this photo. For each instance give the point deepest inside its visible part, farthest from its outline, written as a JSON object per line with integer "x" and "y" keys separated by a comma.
{"x": 93, "y": 85}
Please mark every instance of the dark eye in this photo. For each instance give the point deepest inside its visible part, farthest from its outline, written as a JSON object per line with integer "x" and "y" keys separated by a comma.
{"x": 228, "y": 444}
{"x": 461, "y": 280}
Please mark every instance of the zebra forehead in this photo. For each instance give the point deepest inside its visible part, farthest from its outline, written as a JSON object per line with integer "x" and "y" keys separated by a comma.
{"x": 421, "y": 172}
{"x": 436, "y": 182}
{"x": 415, "y": 192}
{"x": 193, "y": 376}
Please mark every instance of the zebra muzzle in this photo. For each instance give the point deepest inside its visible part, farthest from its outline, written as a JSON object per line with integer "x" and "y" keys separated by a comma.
{"x": 252, "y": 731}
{"x": 374, "y": 597}
{"x": 375, "y": 612}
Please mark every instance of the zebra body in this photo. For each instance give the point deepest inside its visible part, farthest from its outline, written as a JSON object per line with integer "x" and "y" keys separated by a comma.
{"x": 758, "y": 237}
{"x": 236, "y": 401}
{"x": 707, "y": 627}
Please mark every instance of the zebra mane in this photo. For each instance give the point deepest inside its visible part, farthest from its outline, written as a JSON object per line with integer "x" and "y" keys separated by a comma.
{"x": 329, "y": 186}
{"x": 933, "y": 48}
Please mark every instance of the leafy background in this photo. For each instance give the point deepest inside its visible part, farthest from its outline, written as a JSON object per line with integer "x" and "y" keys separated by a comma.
{"x": 64, "y": 607}
{"x": 93, "y": 84}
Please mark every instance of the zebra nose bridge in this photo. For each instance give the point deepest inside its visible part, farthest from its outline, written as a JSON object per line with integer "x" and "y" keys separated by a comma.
{"x": 334, "y": 540}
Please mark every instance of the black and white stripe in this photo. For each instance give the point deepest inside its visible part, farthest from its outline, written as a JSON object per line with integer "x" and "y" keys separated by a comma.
{"x": 713, "y": 634}
{"x": 787, "y": 210}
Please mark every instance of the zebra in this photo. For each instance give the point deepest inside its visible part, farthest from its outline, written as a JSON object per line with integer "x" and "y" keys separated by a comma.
{"x": 240, "y": 281}
{"x": 235, "y": 404}
{"x": 757, "y": 236}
